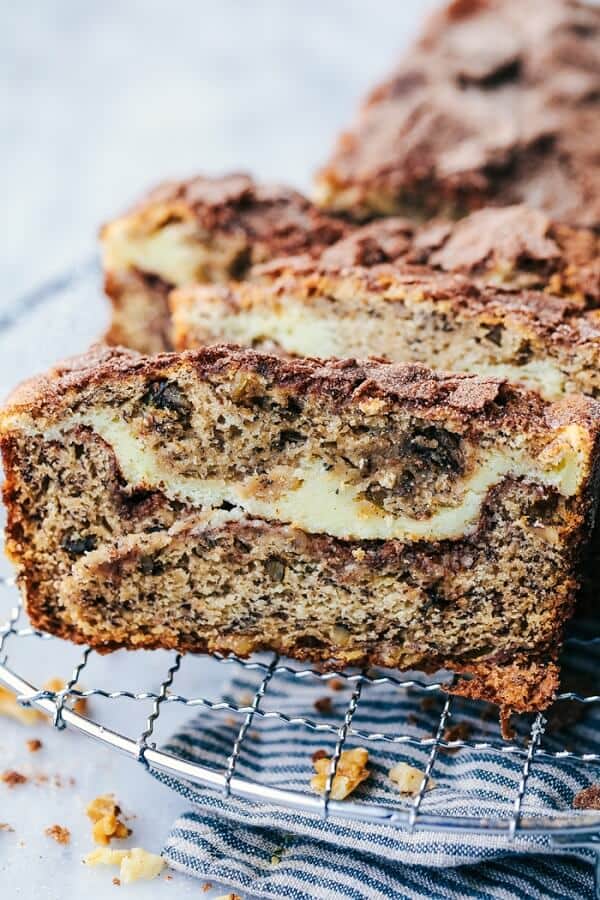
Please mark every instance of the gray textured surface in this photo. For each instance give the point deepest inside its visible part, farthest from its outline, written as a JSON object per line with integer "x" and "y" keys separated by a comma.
{"x": 101, "y": 100}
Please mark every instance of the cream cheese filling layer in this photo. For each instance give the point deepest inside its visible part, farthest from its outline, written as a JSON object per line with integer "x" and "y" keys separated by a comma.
{"x": 169, "y": 252}
{"x": 299, "y": 331}
{"x": 320, "y": 501}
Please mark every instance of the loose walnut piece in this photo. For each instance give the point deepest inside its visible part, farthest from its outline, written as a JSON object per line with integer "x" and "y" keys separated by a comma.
{"x": 135, "y": 864}
{"x": 58, "y": 833}
{"x": 408, "y": 779}
{"x": 12, "y": 710}
{"x": 351, "y": 771}
{"x": 588, "y": 798}
{"x": 104, "y": 812}
{"x": 57, "y": 684}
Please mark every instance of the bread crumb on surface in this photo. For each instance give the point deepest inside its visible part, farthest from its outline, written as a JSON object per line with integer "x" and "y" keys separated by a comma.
{"x": 4, "y": 826}
{"x": 13, "y": 710}
{"x": 57, "y": 684}
{"x": 135, "y": 864}
{"x": 104, "y": 812}
{"x": 336, "y": 684}
{"x": 229, "y": 897}
{"x": 58, "y": 833}
{"x": 588, "y": 798}
{"x": 12, "y": 778}
{"x": 206, "y": 887}
{"x": 408, "y": 779}
{"x": 351, "y": 771}
{"x": 324, "y": 705}
{"x": 33, "y": 745}
{"x": 116, "y": 881}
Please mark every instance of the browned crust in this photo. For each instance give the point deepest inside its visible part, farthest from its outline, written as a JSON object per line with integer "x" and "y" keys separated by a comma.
{"x": 520, "y": 246}
{"x": 279, "y": 219}
{"x": 489, "y": 106}
{"x": 476, "y": 401}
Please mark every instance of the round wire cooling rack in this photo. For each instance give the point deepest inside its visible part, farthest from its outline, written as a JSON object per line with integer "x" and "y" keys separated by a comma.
{"x": 567, "y": 830}
{"x": 57, "y": 310}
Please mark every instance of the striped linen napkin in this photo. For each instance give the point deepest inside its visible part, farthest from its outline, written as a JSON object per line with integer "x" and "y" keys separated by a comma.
{"x": 262, "y": 850}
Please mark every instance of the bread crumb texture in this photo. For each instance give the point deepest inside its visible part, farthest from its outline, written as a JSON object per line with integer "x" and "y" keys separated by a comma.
{"x": 104, "y": 812}
{"x": 58, "y": 833}
{"x": 351, "y": 771}
{"x": 12, "y": 778}
{"x": 588, "y": 798}
{"x": 408, "y": 779}
{"x": 135, "y": 864}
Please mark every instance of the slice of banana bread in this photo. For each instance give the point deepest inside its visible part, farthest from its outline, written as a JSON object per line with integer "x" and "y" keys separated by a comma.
{"x": 342, "y": 512}
{"x": 504, "y": 292}
{"x": 498, "y": 102}
{"x": 202, "y": 229}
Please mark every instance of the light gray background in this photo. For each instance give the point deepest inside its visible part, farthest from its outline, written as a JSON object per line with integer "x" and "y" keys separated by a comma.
{"x": 99, "y": 100}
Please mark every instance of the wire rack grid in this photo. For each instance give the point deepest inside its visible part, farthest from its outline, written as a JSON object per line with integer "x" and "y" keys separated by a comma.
{"x": 567, "y": 831}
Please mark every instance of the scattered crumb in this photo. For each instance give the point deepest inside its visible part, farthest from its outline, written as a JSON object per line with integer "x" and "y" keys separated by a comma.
{"x": 319, "y": 754}
{"x": 59, "y": 834}
{"x": 588, "y": 798}
{"x": 57, "y": 684}
{"x": 408, "y": 779}
{"x": 245, "y": 698}
{"x": 460, "y": 731}
{"x": 336, "y": 684}
{"x": 136, "y": 864}
{"x": 4, "y": 826}
{"x": 116, "y": 882}
{"x": 206, "y": 887}
{"x": 168, "y": 878}
{"x": 12, "y": 778}
{"x": 33, "y": 745}
{"x": 229, "y": 897}
{"x": 231, "y": 721}
{"x": 254, "y": 735}
{"x": 351, "y": 771}
{"x": 10, "y": 708}
{"x": 13, "y": 710}
{"x": 104, "y": 812}
{"x": 324, "y": 705}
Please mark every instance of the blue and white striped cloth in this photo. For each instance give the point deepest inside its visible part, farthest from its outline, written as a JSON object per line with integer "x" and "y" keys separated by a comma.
{"x": 266, "y": 851}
